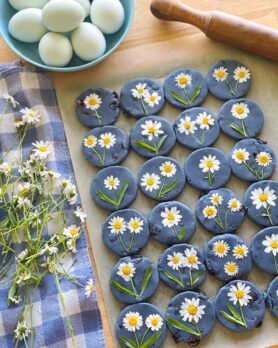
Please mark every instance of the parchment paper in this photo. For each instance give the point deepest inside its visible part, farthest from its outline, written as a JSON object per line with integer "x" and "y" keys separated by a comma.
{"x": 156, "y": 61}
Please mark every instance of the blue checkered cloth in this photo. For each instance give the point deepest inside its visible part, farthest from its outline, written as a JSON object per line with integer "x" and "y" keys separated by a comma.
{"x": 33, "y": 88}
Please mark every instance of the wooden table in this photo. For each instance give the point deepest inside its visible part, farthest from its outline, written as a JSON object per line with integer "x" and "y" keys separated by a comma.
{"x": 146, "y": 30}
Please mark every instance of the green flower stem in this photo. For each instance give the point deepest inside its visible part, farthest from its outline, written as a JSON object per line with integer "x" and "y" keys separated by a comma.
{"x": 244, "y": 128}
{"x": 144, "y": 335}
{"x": 187, "y": 96}
{"x": 242, "y": 315}
{"x": 262, "y": 173}
{"x": 103, "y": 156}
{"x": 176, "y": 232}
{"x": 162, "y": 187}
{"x": 226, "y": 217}
{"x": 131, "y": 241}
{"x": 115, "y": 199}
{"x": 210, "y": 178}
{"x": 232, "y": 91}
{"x": 190, "y": 276}
{"x": 98, "y": 117}
{"x": 136, "y": 339}
{"x": 181, "y": 279}
{"x": 268, "y": 214}
{"x": 275, "y": 263}
{"x": 134, "y": 289}
{"x": 196, "y": 139}
{"x": 100, "y": 159}
{"x": 123, "y": 244}
{"x": 144, "y": 107}
{"x": 197, "y": 328}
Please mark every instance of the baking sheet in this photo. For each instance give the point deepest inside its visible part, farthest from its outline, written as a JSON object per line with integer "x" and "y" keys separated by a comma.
{"x": 156, "y": 61}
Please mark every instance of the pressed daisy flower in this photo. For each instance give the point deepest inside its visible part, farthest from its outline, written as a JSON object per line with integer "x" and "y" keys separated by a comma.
{"x": 171, "y": 217}
{"x": 187, "y": 126}
{"x": 271, "y": 244}
{"x": 231, "y": 268}
{"x": 139, "y": 91}
{"x": 240, "y": 251}
{"x": 191, "y": 259}
{"x": 263, "y": 159}
{"x": 152, "y": 99}
{"x": 30, "y": 116}
{"x": 80, "y": 214}
{"x": 135, "y": 225}
{"x": 168, "y": 169}
{"x": 183, "y": 80}
{"x": 151, "y": 182}
{"x": 220, "y": 248}
{"x": 42, "y": 149}
{"x": 176, "y": 260}
{"x": 240, "y": 111}
{"x": 126, "y": 271}
{"x": 117, "y": 225}
{"x": 107, "y": 140}
{"x": 216, "y": 199}
{"x": 154, "y": 322}
{"x": 21, "y": 331}
{"x": 191, "y": 310}
{"x": 10, "y": 100}
{"x": 111, "y": 182}
{"x": 89, "y": 288}
{"x": 241, "y": 74}
{"x": 93, "y": 101}
{"x": 240, "y": 293}
{"x": 90, "y": 142}
{"x": 210, "y": 212}
{"x": 209, "y": 164}
{"x": 205, "y": 121}
{"x": 132, "y": 321}
{"x": 71, "y": 231}
{"x": 220, "y": 74}
{"x": 151, "y": 129}
{"x": 263, "y": 197}
{"x": 234, "y": 205}
{"x": 240, "y": 155}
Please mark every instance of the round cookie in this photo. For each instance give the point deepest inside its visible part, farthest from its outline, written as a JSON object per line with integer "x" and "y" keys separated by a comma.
{"x": 181, "y": 267}
{"x": 196, "y": 128}
{"x": 260, "y": 202}
{"x": 271, "y": 297}
{"x": 193, "y": 310}
{"x": 134, "y": 279}
{"x": 220, "y": 211}
{"x": 241, "y": 119}
{"x": 152, "y": 136}
{"x": 161, "y": 178}
{"x": 252, "y": 160}
{"x": 105, "y": 146}
{"x": 228, "y": 79}
{"x": 207, "y": 169}
{"x": 142, "y": 322}
{"x": 114, "y": 188}
{"x": 97, "y": 107}
{"x": 239, "y": 306}
{"x": 125, "y": 232}
{"x": 185, "y": 88}
{"x": 172, "y": 223}
{"x": 228, "y": 257}
{"x": 265, "y": 250}
{"x": 142, "y": 97}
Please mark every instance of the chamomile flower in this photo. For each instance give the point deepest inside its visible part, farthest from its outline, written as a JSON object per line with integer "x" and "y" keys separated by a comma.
{"x": 111, "y": 182}
{"x": 209, "y": 164}
{"x": 42, "y": 149}
{"x": 240, "y": 251}
{"x": 5, "y": 168}
{"x": 135, "y": 225}
{"x": 220, "y": 74}
{"x": 271, "y": 244}
{"x": 16, "y": 299}
{"x": 71, "y": 245}
{"x": 264, "y": 159}
{"x": 191, "y": 310}
{"x": 183, "y": 80}
{"x": 139, "y": 91}
{"x": 93, "y": 101}
{"x": 89, "y": 288}
{"x": 171, "y": 217}
{"x": 80, "y": 214}
{"x": 90, "y": 142}
{"x": 23, "y": 189}
{"x": 30, "y": 116}
{"x": 239, "y": 293}
{"x": 186, "y": 126}
{"x": 107, "y": 140}
{"x": 234, "y": 205}
{"x": 240, "y": 111}
{"x": 231, "y": 268}
{"x": 71, "y": 232}
{"x": 241, "y": 74}
{"x": 152, "y": 99}
{"x": 220, "y": 248}
{"x": 191, "y": 259}
{"x": 22, "y": 331}
{"x": 151, "y": 182}
{"x": 22, "y": 255}
{"x": 263, "y": 197}
{"x": 23, "y": 202}
{"x": 151, "y": 129}
{"x": 49, "y": 250}
{"x": 126, "y": 271}
{"x": 204, "y": 120}
{"x": 117, "y": 225}
{"x": 11, "y": 100}
{"x": 176, "y": 260}
{"x": 19, "y": 123}
{"x": 240, "y": 155}
{"x": 210, "y": 212}
{"x": 132, "y": 321}
{"x": 154, "y": 322}
{"x": 216, "y": 199}
{"x": 23, "y": 277}
{"x": 168, "y": 169}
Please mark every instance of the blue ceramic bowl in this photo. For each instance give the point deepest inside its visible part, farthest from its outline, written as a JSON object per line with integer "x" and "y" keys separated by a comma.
{"x": 30, "y": 53}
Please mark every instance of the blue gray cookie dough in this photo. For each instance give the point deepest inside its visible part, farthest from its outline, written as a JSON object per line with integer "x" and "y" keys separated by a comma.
{"x": 105, "y": 146}
{"x": 220, "y": 211}
{"x": 181, "y": 267}
{"x": 193, "y": 310}
{"x": 265, "y": 249}
{"x": 161, "y": 178}
{"x": 134, "y": 279}
{"x": 152, "y": 136}
{"x": 196, "y": 128}
{"x": 241, "y": 119}
{"x": 125, "y": 232}
{"x": 228, "y": 79}
{"x": 228, "y": 257}
{"x": 271, "y": 297}
{"x": 97, "y": 107}
{"x": 185, "y": 88}
{"x": 241, "y": 295}
{"x": 143, "y": 322}
{"x": 252, "y": 160}
{"x": 142, "y": 97}
{"x": 260, "y": 202}
{"x": 172, "y": 223}
{"x": 207, "y": 169}
{"x": 114, "y": 188}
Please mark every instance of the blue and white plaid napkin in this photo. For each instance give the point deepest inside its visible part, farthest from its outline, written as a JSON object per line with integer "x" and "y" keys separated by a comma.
{"x": 33, "y": 88}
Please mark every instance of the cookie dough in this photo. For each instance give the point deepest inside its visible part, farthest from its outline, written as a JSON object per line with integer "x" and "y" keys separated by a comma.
{"x": 271, "y": 297}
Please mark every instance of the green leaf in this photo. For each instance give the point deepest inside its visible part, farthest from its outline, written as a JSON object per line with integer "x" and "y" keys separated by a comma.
{"x": 172, "y": 277}
{"x": 234, "y": 312}
{"x": 169, "y": 187}
{"x": 12, "y": 292}
{"x": 104, "y": 197}
{"x": 180, "y": 326}
{"x": 197, "y": 277}
{"x": 129, "y": 343}
{"x": 232, "y": 319}
{"x": 146, "y": 279}
{"x": 121, "y": 288}
{"x": 122, "y": 193}
{"x": 182, "y": 233}
{"x": 145, "y": 145}
{"x": 237, "y": 128}
{"x": 195, "y": 93}
{"x": 161, "y": 142}
{"x": 178, "y": 97}
{"x": 151, "y": 340}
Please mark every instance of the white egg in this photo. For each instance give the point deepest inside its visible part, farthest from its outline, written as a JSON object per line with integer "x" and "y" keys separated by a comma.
{"x": 21, "y": 4}
{"x": 55, "y": 49}
{"x": 107, "y": 15}
{"x": 86, "y": 6}
{"x": 26, "y": 25}
{"x": 62, "y": 16}
{"x": 88, "y": 42}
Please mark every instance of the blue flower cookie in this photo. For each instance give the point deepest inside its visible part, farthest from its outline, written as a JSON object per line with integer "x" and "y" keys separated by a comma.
{"x": 196, "y": 128}
{"x": 228, "y": 257}
{"x": 228, "y": 79}
{"x": 271, "y": 297}
{"x": 220, "y": 211}
{"x": 105, "y": 146}
{"x": 172, "y": 223}
{"x": 134, "y": 279}
{"x": 252, "y": 160}
{"x": 114, "y": 188}
{"x": 190, "y": 316}
{"x": 207, "y": 169}
{"x": 141, "y": 322}
{"x": 185, "y": 88}
{"x": 161, "y": 178}
{"x": 181, "y": 267}
{"x": 241, "y": 119}
{"x": 97, "y": 107}
{"x": 260, "y": 202}
{"x": 142, "y": 97}
{"x": 239, "y": 306}
{"x": 152, "y": 136}
{"x": 125, "y": 232}
{"x": 265, "y": 250}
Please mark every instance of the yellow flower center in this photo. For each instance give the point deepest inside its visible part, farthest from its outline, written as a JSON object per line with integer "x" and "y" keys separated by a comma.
{"x": 183, "y": 80}
{"x": 274, "y": 244}
{"x": 111, "y": 182}
{"x": 42, "y": 148}
{"x": 175, "y": 259}
{"x": 209, "y": 163}
{"x": 140, "y": 90}
{"x": 107, "y": 140}
{"x": 240, "y": 155}
{"x": 90, "y": 140}
{"x": 186, "y": 125}
{"x": 150, "y": 181}
{"x": 73, "y": 232}
{"x": 93, "y": 101}
{"x": 192, "y": 310}
{"x": 191, "y": 259}
{"x": 209, "y": 211}
{"x": 152, "y": 98}
{"x": 264, "y": 159}
{"x": 216, "y": 199}
{"x": 263, "y": 197}
{"x": 220, "y": 248}
{"x": 205, "y": 120}
{"x": 231, "y": 267}
{"x": 151, "y": 129}
{"x": 154, "y": 321}
{"x": 239, "y": 294}
{"x": 73, "y": 243}
{"x": 133, "y": 321}
{"x": 117, "y": 225}
{"x": 220, "y": 73}
{"x": 135, "y": 224}
{"x": 168, "y": 168}
{"x": 234, "y": 204}
{"x": 126, "y": 270}
{"x": 171, "y": 216}
{"x": 91, "y": 288}
{"x": 240, "y": 109}
{"x": 241, "y": 74}
{"x": 31, "y": 115}
{"x": 240, "y": 251}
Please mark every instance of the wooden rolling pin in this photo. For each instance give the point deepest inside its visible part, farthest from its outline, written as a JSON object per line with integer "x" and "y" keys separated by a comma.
{"x": 223, "y": 27}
